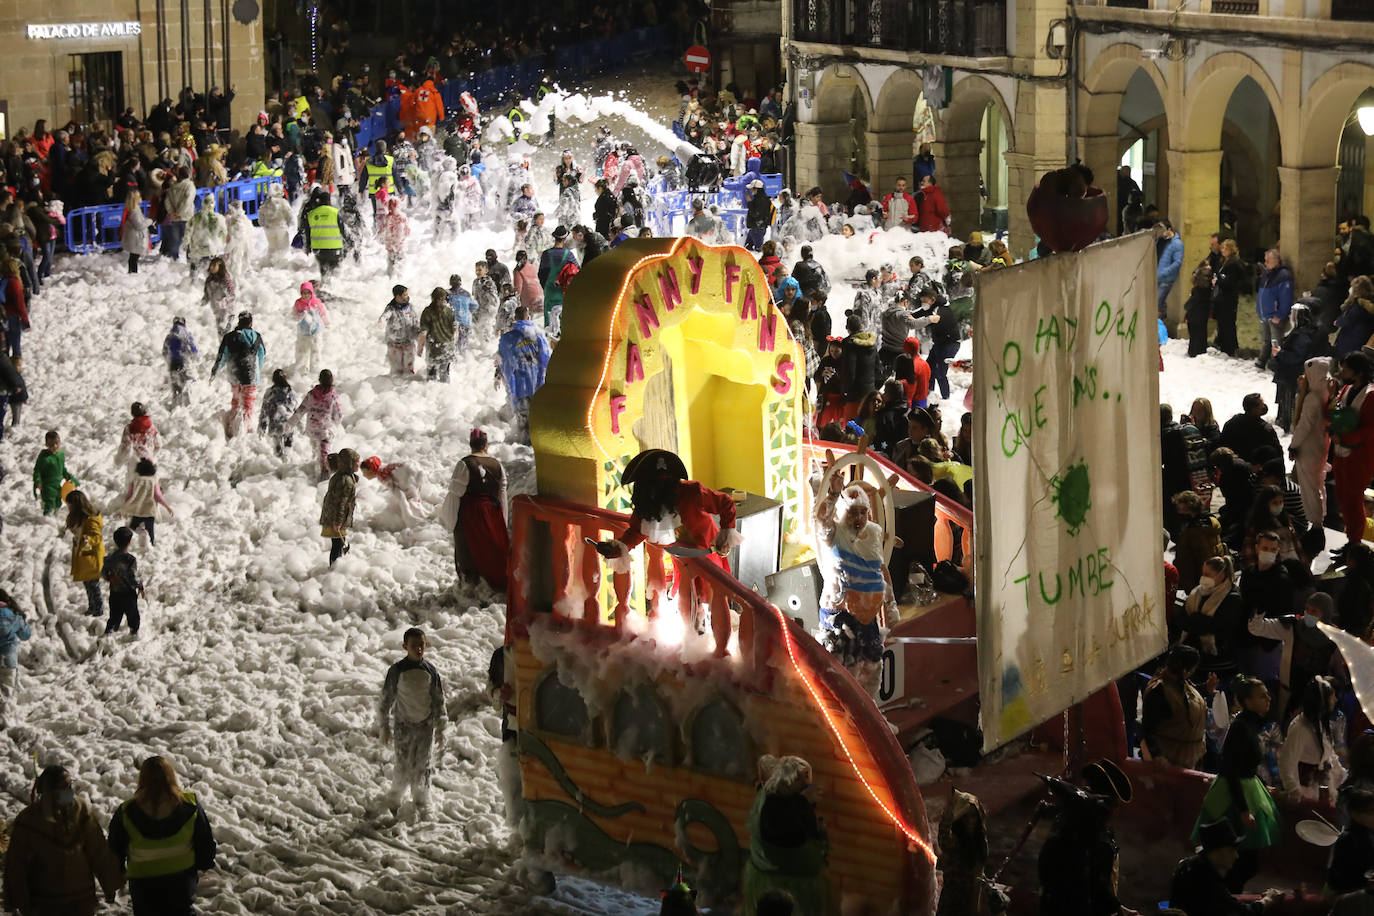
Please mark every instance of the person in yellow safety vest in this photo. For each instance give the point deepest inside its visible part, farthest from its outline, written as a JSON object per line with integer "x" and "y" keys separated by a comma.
{"x": 379, "y": 166}
{"x": 517, "y": 122}
{"x": 163, "y": 839}
{"x": 324, "y": 237}
{"x": 263, "y": 168}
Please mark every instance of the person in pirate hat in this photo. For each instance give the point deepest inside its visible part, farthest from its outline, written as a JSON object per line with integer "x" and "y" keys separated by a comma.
{"x": 1078, "y": 862}
{"x": 679, "y": 514}
{"x": 1199, "y": 884}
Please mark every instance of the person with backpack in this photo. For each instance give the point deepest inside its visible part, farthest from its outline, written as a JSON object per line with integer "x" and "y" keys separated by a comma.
{"x": 243, "y": 353}
{"x": 551, "y": 264}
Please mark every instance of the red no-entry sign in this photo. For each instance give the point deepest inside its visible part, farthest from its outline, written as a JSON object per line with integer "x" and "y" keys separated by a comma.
{"x": 698, "y": 59}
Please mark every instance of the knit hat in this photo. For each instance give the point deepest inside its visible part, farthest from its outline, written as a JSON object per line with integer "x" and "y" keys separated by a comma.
{"x": 373, "y": 464}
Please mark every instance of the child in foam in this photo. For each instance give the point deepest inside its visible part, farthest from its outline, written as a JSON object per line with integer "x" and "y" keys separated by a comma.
{"x": 857, "y": 597}
{"x": 323, "y": 412}
{"x": 411, "y": 713}
{"x": 178, "y": 349}
{"x": 336, "y": 514}
{"x": 278, "y": 406}
{"x": 143, "y": 500}
{"x": 311, "y": 320}
{"x": 140, "y": 439}
{"x": 403, "y": 484}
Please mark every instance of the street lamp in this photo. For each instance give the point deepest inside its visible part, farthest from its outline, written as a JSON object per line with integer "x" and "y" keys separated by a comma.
{"x": 1364, "y": 112}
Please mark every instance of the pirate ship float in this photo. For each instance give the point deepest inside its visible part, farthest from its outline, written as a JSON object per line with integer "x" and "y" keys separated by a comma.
{"x": 636, "y": 736}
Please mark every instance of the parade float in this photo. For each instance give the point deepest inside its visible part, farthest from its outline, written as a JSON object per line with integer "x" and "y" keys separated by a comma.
{"x": 644, "y": 692}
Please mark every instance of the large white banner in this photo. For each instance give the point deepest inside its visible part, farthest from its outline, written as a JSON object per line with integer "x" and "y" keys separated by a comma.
{"x": 1067, "y": 498}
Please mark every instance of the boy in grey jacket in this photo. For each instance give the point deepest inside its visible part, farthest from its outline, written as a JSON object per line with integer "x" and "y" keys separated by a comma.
{"x": 412, "y": 712}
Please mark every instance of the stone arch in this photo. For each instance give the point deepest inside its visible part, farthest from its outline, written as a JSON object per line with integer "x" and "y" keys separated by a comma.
{"x": 1328, "y": 102}
{"x": 1209, "y": 92}
{"x": 1106, "y": 81}
{"x": 959, "y": 150}
{"x": 832, "y": 102}
{"x": 897, "y": 101}
{"x": 963, "y": 119}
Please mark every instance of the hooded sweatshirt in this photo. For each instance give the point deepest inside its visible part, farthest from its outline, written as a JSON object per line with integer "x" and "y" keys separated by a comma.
{"x": 309, "y": 312}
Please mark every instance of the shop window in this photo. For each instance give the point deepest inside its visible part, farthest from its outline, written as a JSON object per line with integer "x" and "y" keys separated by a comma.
{"x": 719, "y": 744}
{"x": 560, "y": 709}
{"x": 95, "y": 86}
{"x": 639, "y": 725}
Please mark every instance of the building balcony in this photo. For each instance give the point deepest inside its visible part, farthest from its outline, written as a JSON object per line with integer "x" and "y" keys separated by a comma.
{"x": 956, "y": 28}
{"x": 1352, "y": 10}
{"x": 1341, "y": 10}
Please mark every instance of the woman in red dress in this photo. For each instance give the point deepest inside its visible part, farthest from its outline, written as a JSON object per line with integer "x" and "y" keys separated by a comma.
{"x": 475, "y": 511}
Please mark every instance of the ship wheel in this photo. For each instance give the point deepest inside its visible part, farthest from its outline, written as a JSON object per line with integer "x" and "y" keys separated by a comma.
{"x": 869, "y": 475}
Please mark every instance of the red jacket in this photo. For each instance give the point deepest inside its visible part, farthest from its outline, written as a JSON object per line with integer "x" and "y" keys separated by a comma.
{"x": 698, "y": 507}
{"x": 934, "y": 211}
{"x": 14, "y": 299}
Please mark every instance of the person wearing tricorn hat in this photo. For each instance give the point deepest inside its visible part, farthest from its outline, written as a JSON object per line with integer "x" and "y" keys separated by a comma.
{"x": 1200, "y": 887}
{"x": 1079, "y": 861}
{"x": 683, "y": 516}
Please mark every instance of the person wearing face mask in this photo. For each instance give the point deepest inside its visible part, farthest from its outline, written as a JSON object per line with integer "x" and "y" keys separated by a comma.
{"x": 1352, "y": 428}
{"x": 1269, "y": 514}
{"x": 1211, "y": 616}
{"x": 58, "y": 854}
{"x": 1248, "y": 431}
{"x": 1266, "y": 590}
{"x": 1237, "y": 795}
{"x": 1307, "y": 652}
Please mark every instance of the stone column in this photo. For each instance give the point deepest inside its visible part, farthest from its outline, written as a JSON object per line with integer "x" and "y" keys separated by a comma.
{"x": 957, "y": 171}
{"x": 1195, "y": 211}
{"x": 1307, "y": 221}
{"x": 822, "y": 151}
{"x": 1100, "y": 155}
{"x": 889, "y": 158}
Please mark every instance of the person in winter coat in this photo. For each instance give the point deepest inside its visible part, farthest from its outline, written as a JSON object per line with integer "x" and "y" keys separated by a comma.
{"x": 274, "y": 215}
{"x": 526, "y": 284}
{"x": 336, "y": 513}
{"x": 569, "y": 178}
{"x": 140, "y": 439}
{"x": 412, "y": 713}
{"x": 445, "y": 198}
{"x": 523, "y": 353}
{"x": 85, "y": 525}
{"x": 311, "y": 318}
{"x": 788, "y": 845}
{"x": 891, "y": 418}
{"x": 438, "y": 328}
{"x": 1197, "y": 310}
{"x": 1352, "y": 429}
{"x": 323, "y": 412}
{"x": 605, "y": 209}
{"x": 163, "y": 839}
{"x": 393, "y": 229}
{"x": 121, "y": 571}
{"x": 402, "y": 331}
{"x": 238, "y": 244}
{"x": 590, "y": 244}
{"x": 403, "y": 485}
{"x": 475, "y": 511}
{"x": 1212, "y": 617}
{"x": 1302, "y": 343}
{"x": 945, "y": 336}
{"x": 932, "y": 210}
{"x": 460, "y": 301}
{"x": 133, "y": 230}
{"x": 58, "y": 860}
{"x": 14, "y": 628}
{"x": 899, "y": 206}
{"x": 178, "y": 206}
{"x": 143, "y": 502}
{"x": 178, "y": 349}
{"x": 809, "y": 273}
{"x": 1170, "y": 263}
{"x": 1230, "y": 279}
{"x": 485, "y": 294}
{"x": 830, "y": 384}
{"x": 1247, "y": 432}
{"x": 1198, "y": 538}
{"x": 206, "y": 234}
{"x": 898, "y": 322}
{"x": 1311, "y": 442}
{"x": 1273, "y": 301}
{"x": 219, "y": 294}
{"x": 1308, "y": 759}
{"x": 1173, "y": 726}
{"x": 914, "y": 373}
{"x": 1355, "y": 325}
{"x": 499, "y": 273}
{"x": 758, "y": 217}
{"x": 538, "y": 238}
{"x": 243, "y": 353}
{"x": 868, "y": 302}
{"x": 16, "y": 311}
{"x": 860, "y": 365}
{"x": 278, "y": 407}
{"x": 551, "y": 263}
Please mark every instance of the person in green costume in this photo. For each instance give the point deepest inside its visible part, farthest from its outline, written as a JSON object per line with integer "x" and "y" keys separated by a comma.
{"x": 49, "y": 471}
{"x": 787, "y": 841}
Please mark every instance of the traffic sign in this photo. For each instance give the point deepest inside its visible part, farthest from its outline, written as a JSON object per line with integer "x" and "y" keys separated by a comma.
{"x": 698, "y": 59}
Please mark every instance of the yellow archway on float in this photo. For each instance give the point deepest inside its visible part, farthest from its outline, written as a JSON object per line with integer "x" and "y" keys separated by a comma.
{"x": 672, "y": 343}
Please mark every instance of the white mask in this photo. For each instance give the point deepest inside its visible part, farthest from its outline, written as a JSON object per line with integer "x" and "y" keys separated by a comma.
{"x": 1206, "y": 584}
{"x": 1267, "y": 558}
{"x": 1276, "y": 508}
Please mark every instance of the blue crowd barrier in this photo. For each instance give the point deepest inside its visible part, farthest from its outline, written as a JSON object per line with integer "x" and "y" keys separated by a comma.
{"x": 91, "y": 229}
{"x": 585, "y": 59}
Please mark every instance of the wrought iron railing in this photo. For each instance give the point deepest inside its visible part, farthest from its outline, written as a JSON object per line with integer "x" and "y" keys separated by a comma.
{"x": 1236, "y": 7}
{"x": 1130, "y": 4}
{"x": 960, "y": 28}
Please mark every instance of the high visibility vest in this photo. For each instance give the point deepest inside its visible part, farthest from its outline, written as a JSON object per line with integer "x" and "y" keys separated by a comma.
{"x": 324, "y": 229}
{"x": 150, "y": 858}
{"x": 375, "y": 173}
{"x": 517, "y": 123}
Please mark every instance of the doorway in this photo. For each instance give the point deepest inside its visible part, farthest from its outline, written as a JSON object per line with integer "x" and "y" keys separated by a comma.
{"x": 95, "y": 86}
